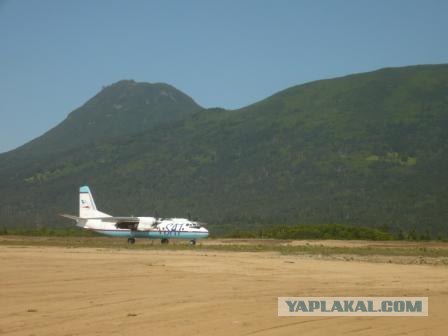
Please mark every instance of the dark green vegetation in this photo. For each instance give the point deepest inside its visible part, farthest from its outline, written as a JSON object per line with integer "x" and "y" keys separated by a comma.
{"x": 368, "y": 149}
{"x": 47, "y": 232}
{"x": 301, "y": 231}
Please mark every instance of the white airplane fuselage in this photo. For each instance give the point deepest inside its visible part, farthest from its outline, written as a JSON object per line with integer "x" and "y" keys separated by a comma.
{"x": 149, "y": 227}
{"x": 134, "y": 227}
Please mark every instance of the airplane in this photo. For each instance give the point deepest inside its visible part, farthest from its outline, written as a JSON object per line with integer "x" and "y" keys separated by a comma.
{"x": 134, "y": 227}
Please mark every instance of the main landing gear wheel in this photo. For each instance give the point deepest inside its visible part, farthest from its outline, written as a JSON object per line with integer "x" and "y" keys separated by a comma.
{"x": 165, "y": 241}
{"x": 131, "y": 241}
{"x": 193, "y": 242}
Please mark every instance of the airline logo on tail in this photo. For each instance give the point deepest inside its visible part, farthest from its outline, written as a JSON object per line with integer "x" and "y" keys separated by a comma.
{"x": 87, "y": 207}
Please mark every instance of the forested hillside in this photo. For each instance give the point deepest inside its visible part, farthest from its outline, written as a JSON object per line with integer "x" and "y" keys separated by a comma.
{"x": 368, "y": 149}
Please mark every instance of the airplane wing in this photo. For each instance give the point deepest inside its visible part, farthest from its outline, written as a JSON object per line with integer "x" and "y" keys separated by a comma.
{"x": 130, "y": 223}
{"x": 118, "y": 220}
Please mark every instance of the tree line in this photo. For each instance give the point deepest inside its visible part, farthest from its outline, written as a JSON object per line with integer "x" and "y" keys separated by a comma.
{"x": 302, "y": 231}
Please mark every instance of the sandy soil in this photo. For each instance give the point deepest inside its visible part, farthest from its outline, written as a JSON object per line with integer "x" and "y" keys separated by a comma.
{"x": 327, "y": 242}
{"x": 88, "y": 291}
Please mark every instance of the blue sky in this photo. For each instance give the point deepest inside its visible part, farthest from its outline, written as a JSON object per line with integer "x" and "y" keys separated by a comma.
{"x": 54, "y": 55}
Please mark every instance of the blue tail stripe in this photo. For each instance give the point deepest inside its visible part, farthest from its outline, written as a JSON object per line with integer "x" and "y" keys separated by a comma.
{"x": 84, "y": 189}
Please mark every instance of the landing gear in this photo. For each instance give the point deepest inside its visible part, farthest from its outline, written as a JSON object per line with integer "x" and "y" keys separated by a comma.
{"x": 193, "y": 242}
{"x": 131, "y": 241}
{"x": 165, "y": 241}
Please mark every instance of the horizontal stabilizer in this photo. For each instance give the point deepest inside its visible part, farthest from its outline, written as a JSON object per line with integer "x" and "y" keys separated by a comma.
{"x": 71, "y": 217}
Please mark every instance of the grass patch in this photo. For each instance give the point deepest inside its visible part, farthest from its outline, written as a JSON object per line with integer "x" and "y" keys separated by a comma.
{"x": 272, "y": 246}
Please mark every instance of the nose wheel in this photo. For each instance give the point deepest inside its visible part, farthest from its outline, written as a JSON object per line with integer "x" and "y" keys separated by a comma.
{"x": 165, "y": 241}
{"x": 193, "y": 242}
{"x": 131, "y": 241}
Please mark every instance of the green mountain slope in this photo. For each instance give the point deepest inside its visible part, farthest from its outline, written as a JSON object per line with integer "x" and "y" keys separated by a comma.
{"x": 121, "y": 109}
{"x": 367, "y": 149}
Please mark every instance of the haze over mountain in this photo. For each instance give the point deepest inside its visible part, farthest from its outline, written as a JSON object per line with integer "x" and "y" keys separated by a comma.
{"x": 366, "y": 149}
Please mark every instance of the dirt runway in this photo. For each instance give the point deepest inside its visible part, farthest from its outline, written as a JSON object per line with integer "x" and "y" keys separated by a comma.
{"x": 90, "y": 291}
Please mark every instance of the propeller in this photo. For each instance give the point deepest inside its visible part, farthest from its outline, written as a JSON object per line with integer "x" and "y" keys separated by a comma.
{"x": 195, "y": 219}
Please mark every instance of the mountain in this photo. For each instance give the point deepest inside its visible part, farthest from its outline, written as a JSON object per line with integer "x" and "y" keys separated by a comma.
{"x": 367, "y": 149}
{"x": 121, "y": 109}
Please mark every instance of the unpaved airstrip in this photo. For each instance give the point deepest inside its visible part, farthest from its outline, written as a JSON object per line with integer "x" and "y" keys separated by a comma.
{"x": 47, "y": 290}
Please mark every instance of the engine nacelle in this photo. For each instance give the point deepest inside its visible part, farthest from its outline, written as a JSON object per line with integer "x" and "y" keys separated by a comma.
{"x": 146, "y": 224}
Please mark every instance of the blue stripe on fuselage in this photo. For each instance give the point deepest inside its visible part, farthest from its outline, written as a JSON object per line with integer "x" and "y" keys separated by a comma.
{"x": 153, "y": 234}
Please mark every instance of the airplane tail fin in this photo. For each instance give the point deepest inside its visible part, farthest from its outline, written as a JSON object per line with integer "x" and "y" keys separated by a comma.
{"x": 87, "y": 207}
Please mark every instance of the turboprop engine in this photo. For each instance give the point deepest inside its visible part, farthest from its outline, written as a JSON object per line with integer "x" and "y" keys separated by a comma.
{"x": 146, "y": 224}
